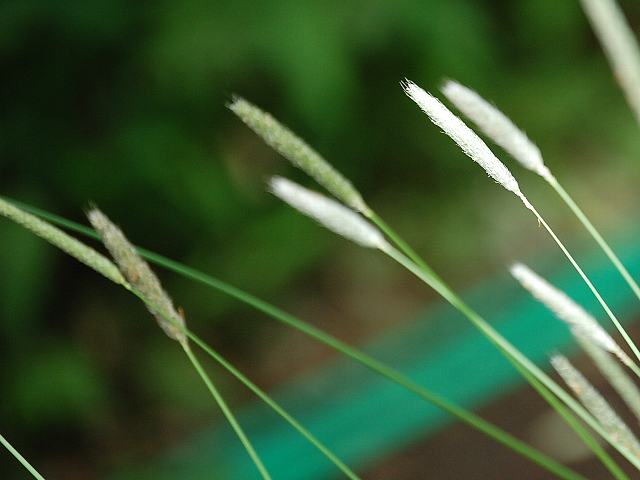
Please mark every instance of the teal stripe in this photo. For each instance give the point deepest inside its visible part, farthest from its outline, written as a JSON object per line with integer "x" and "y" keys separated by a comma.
{"x": 362, "y": 417}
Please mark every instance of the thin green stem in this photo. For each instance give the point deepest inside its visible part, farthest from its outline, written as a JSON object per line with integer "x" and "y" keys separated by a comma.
{"x": 273, "y": 405}
{"x": 227, "y": 413}
{"x": 382, "y": 369}
{"x": 25, "y": 463}
{"x": 476, "y": 422}
{"x": 511, "y": 352}
{"x": 541, "y": 389}
{"x": 595, "y": 234}
{"x": 400, "y": 243}
{"x": 593, "y": 289}
{"x": 471, "y": 419}
{"x": 248, "y": 383}
{"x": 378, "y": 367}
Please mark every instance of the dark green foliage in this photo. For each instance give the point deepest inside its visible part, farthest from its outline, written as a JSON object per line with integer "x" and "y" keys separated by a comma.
{"x": 122, "y": 103}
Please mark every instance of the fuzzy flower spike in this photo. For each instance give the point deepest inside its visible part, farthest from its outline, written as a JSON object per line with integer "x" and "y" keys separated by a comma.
{"x": 140, "y": 276}
{"x": 63, "y": 241}
{"x": 596, "y": 404}
{"x": 470, "y": 143}
{"x": 475, "y": 148}
{"x": 568, "y": 311}
{"x": 497, "y": 126}
{"x": 299, "y": 153}
{"x": 329, "y": 213}
{"x": 620, "y": 46}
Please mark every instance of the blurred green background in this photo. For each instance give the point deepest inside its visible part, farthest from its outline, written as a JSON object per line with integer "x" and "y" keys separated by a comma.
{"x": 123, "y": 104}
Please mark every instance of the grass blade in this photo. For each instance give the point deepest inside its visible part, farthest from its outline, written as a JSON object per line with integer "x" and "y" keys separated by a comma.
{"x": 273, "y": 405}
{"x": 558, "y": 406}
{"x": 25, "y": 463}
{"x": 227, "y": 413}
{"x": 376, "y": 366}
{"x": 513, "y": 354}
{"x": 596, "y": 235}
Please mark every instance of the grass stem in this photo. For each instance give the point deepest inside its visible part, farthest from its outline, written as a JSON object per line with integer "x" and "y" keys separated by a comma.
{"x": 515, "y": 355}
{"x": 439, "y": 286}
{"x": 376, "y": 366}
{"x": 227, "y": 413}
{"x": 25, "y": 463}
{"x": 596, "y": 235}
{"x": 273, "y": 405}
{"x": 584, "y": 277}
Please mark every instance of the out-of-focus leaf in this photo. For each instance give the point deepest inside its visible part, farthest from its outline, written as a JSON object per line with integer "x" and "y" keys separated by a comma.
{"x": 26, "y": 280}
{"x": 56, "y": 386}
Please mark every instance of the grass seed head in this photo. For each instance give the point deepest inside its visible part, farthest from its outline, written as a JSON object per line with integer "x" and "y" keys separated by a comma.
{"x": 497, "y": 126}
{"x": 470, "y": 143}
{"x": 64, "y": 242}
{"x": 566, "y": 309}
{"x": 140, "y": 276}
{"x": 596, "y": 403}
{"x": 612, "y": 371}
{"x": 620, "y": 46}
{"x": 298, "y": 152}
{"x": 329, "y": 213}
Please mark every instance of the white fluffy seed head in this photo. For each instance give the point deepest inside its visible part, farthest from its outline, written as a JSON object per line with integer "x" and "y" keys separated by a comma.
{"x": 329, "y": 213}
{"x": 620, "y": 46}
{"x": 566, "y": 309}
{"x": 467, "y": 140}
{"x": 497, "y": 126}
{"x": 619, "y": 379}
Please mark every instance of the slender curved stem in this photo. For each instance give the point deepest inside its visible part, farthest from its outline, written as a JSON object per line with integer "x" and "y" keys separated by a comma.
{"x": 595, "y": 234}
{"x": 511, "y": 352}
{"x": 227, "y": 413}
{"x": 438, "y": 284}
{"x": 464, "y": 415}
{"x": 400, "y": 242}
{"x": 380, "y": 368}
{"x": 593, "y": 289}
{"x": 25, "y": 463}
{"x": 273, "y": 405}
